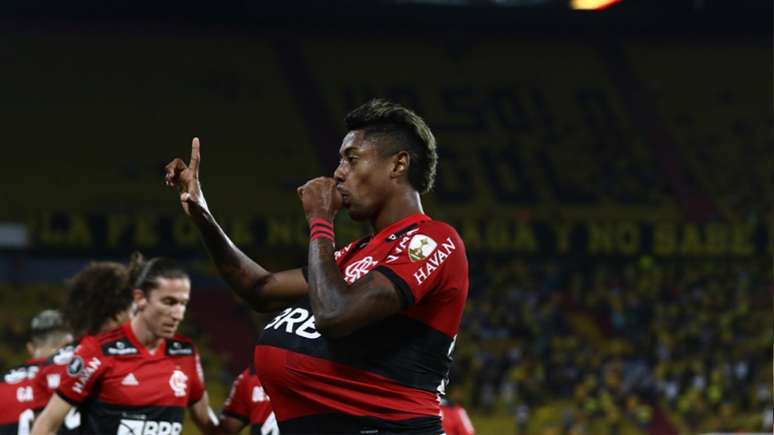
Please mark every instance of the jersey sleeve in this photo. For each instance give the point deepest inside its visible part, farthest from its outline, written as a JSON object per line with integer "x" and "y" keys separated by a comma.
{"x": 197, "y": 381}
{"x": 237, "y": 404}
{"x": 51, "y": 373}
{"x": 83, "y": 371}
{"x": 262, "y": 410}
{"x": 423, "y": 260}
{"x": 456, "y": 421}
{"x": 47, "y": 381}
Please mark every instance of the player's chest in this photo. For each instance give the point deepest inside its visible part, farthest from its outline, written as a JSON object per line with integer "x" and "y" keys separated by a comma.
{"x": 146, "y": 381}
{"x": 359, "y": 260}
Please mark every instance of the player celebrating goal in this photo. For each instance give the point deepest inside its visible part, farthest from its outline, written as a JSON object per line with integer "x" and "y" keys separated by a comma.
{"x": 364, "y": 342}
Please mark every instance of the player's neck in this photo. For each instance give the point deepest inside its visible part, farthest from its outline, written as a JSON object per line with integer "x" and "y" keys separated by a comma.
{"x": 144, "y": 335}
{"x": 396, "y": 208}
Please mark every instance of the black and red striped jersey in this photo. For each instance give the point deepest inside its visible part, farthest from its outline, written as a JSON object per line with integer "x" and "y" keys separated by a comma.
{"x": 248, "y": 402}
{"x": 18, "y": 401}
{"x": 385, "y": 377}
{"x": 125, "y": 389}
{"x": 47, "y": 381}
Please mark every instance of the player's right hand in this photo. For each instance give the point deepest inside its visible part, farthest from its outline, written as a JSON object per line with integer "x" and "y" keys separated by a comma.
{"x": 186, "y": 180}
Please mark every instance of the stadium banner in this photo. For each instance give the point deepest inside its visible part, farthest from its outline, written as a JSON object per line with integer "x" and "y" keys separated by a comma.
{"x": 116, "y": 233}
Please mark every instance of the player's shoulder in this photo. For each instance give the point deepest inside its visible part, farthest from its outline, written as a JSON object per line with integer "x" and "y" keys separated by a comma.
{"x": 62, "y": 356}
{"x": 115, "y": 342}
{"x": 437, "y": 226}
{"x": 431, "y": 235}
{"x": 180, "y": 345}
{"x": 21, "y": 372}
{"x": 116, "y": 333}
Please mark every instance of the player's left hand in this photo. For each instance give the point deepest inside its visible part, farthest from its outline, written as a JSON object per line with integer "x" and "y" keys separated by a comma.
{"x": 320, "y": 198}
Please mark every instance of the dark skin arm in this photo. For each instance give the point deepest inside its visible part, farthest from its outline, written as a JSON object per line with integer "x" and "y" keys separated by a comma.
{"x": 265, "y": 291}
{"x": 340, "y": 309}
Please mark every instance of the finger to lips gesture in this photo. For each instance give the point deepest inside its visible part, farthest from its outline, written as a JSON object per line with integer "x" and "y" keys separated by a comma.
{"x": 320, "y": 198}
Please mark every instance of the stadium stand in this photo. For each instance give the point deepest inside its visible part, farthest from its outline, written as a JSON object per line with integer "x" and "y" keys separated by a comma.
{"x": 538, "y": 130}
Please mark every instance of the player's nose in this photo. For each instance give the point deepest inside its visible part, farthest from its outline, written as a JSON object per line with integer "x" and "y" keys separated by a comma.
{"x": 339, "y": 174}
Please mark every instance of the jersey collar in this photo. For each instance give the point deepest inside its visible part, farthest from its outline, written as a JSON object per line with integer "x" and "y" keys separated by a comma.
{"x": 35, "y": 361}
{"x": 161, "y": 350}
{"x": 395, "y": 227}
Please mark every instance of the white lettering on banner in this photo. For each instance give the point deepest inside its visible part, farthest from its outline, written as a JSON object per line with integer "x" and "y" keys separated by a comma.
{"x": 85, "y": 374}
{"x": 301, "y": 317}
{"x": 435, "y": 261}
{"x": 148, "y": 427}
{"x": 356, "y": 270}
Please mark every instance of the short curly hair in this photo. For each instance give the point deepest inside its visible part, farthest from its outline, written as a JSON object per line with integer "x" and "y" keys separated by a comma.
{"x": 399, "y": 129}
{"x": 96, "y": 294}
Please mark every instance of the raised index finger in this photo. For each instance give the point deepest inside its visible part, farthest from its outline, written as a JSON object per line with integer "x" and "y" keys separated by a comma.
{"x": 195, "y": 156}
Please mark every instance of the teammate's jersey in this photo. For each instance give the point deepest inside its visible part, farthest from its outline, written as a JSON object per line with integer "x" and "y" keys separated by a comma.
{"x": 18, "y": 401}
{"x": 455, "y": 419}
{"x": 124, "y": 389}
{"x": 249, "y": 403}
{"x": 48, "y": 380}
{"x": 385, "y": 377}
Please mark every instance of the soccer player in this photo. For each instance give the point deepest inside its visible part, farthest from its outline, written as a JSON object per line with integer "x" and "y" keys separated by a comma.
{"x": 364, "y": 341}
{"x": 139, "y": 377}
{"x": 18, "y": 401}
{"x": 248, "y": 404}
{"x": 99, "y": 298}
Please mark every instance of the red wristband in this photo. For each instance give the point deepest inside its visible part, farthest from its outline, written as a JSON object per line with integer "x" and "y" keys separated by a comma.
{"x": 315, "y": 222}
{"x": 321, "y": 228}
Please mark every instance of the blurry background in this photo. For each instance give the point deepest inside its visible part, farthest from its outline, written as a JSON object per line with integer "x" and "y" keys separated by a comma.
{"x": 609, "y": 170}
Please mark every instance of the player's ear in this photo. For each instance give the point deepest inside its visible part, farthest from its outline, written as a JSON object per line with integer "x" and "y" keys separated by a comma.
{"x": 138, "y": 299}
{"x": 400, "y": 164}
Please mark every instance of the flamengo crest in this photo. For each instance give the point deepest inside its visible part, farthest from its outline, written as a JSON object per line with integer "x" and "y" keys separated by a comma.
{"x": 179, "y": 382}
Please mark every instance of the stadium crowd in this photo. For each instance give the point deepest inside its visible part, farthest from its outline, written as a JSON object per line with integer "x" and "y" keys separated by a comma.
{"x": 604, "y": 348}
{"x": 610, "y": 345}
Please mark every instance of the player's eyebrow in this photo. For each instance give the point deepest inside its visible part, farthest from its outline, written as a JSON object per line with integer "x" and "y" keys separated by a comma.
{"x": 349, "y": 150}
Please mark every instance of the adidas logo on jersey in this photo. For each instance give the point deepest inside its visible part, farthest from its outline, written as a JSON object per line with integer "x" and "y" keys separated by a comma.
{"x": 130, "y": 380}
